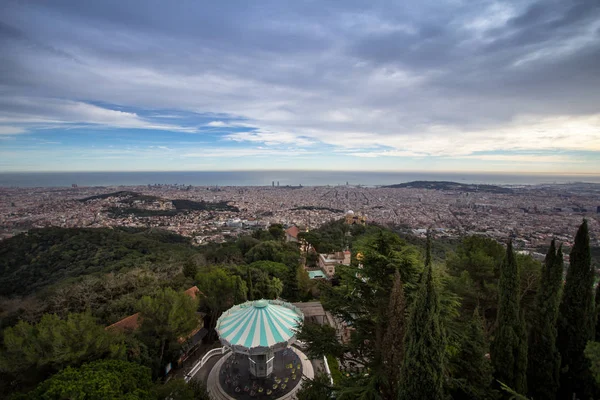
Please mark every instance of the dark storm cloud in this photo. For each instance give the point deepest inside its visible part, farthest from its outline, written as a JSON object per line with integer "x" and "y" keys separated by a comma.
{"x": 369, "y": 69}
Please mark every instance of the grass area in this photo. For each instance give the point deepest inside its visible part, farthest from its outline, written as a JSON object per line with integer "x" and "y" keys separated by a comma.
{"x": 334, "y": 367}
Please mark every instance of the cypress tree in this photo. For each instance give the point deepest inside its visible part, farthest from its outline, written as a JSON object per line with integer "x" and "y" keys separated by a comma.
{"x": 424, "y": 345}
{"x": 509, "y": 348}
{"x": 473, "y": 369}
{"x": 521, "y": 356}
{"x": 249, "y": 284}
{"x": 544, "y": 359}
{"x": 577, "y": 319}
{"x": 597, "y": 303}
{"x": 392, "y": 348}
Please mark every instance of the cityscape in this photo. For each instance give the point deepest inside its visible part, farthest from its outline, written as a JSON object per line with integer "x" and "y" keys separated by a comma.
{"x": 531, "y": 215}
{"x": 300, "y": 200}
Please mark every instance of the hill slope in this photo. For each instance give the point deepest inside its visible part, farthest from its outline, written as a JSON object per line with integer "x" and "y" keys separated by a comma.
{"x": 37, "y": 259}
{"x": 445, "y": 185}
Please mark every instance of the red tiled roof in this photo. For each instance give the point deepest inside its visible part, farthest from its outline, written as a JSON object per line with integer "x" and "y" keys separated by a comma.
{"x": 130, "y": 323}
{"x": 293, "y": 231}
{"x": 192, "y": 292}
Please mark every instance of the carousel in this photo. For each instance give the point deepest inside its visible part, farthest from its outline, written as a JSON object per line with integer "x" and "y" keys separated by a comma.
{"x": 262, "y": 364}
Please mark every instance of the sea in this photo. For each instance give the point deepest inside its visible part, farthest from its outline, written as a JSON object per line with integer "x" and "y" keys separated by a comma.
{"x": 269, "y": 178}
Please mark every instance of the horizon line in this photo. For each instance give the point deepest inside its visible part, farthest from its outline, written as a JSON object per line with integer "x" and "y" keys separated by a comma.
{"x": 530, "y": 173}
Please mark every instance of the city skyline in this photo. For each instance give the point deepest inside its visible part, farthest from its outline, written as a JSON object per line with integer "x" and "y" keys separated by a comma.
{"x": 483, "y": 86}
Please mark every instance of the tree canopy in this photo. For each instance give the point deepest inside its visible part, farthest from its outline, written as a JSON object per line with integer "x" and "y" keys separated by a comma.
{"x": 103, "y": 379}
{"x": 509, "y": 348}
{"x": 166, "y": 317}
{"x": 544, "y": 359}
{"x": 577, "y": 319}
{"x": 422, "y": 375}
{"x": 54, "y": 343}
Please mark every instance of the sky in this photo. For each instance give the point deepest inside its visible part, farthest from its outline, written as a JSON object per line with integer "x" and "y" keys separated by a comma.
{"x": 428, "y": 85}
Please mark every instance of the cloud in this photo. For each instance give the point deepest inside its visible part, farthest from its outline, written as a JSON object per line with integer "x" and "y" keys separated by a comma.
{"x": 11, "y": 130}
{"x": 526, "y": 158}
{"x": 225, "y": 152}
{"x": 269, "y": 138}
{"x": 432, "y": 78}
{"x": 49, "y": 112}
{"x": 217, "y": 124}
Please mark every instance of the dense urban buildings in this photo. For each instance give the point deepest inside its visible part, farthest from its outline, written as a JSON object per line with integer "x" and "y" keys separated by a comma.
{"x": 532, "y": 215}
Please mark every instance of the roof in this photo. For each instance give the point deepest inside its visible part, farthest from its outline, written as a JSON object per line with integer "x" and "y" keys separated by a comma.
{"x": 130, "y": 323}
{"x": 311, "y": 309}
{"x": 256, "y": 326}
{"x": 316, "y": 274}
{"x": 192, "y": 292}
{"x": 293, "y": 231}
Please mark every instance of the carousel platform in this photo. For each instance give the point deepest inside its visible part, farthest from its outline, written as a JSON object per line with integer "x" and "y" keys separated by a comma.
{"x": 230, "y": 378}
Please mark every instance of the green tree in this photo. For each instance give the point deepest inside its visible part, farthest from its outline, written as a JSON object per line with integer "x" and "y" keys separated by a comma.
{"x": 312, "y": 258}
{"x": 321, "y": 340}
{"x": 105, "y": 379}
{"x": 422, "y": 375}
{"x": 509, "y": 348}
{"x": 276, "y": 251}
{"x": 360, "y": 301}
{"x": 597, "y": 303}
{"x": 190, "y": 269}
{"x": 318, "y": 388}
{"x": 592, "y": 353}
{"x": 472, "y": 370}
{"x": 53, "y": 344}
{"x": 576, "y": 322}
{"x": 392, "y": 348}
{"x": 245, "y": 243}
{"x": 277, "y": 231}
{"x": 266, "y": 287}
{"x": 543, "y": 358}
{"x": 304, "y": 283}
{"x": 221, "y": 291}
{"x": 178, "y": 389}
{"x": 276, "y": 269}
{"x": 166, "y": 317}
{"x": 249, "y": 284}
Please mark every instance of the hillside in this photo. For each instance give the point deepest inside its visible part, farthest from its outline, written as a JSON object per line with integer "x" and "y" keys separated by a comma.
{"x": 455, "y": 186}
{"x": 42, "y": 257}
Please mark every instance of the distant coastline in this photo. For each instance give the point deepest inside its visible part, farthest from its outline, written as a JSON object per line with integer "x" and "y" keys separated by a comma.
{"x": 270, "y": 178}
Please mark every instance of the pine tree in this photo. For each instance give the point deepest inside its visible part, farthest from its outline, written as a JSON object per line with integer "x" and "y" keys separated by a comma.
{"x": 577, "y": 319}
{"x": 392, "y": 348}
{"x": 509, "y": 348}
{"x": 543, "y": 358}
{"x": 422, "y": 375}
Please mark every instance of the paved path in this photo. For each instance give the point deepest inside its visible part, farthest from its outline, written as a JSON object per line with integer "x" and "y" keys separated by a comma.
{"x": 202, "y": 374}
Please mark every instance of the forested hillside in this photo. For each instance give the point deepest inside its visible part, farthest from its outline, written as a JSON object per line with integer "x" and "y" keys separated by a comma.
{"x": 59, "y": 284}
{"x": 39, "y": 258}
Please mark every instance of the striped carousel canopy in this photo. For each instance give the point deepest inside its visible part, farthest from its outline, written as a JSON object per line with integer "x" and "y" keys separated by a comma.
{"x": 260, "y": 324}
